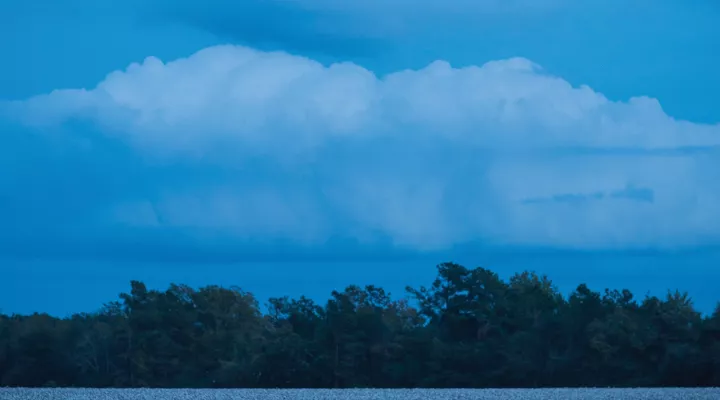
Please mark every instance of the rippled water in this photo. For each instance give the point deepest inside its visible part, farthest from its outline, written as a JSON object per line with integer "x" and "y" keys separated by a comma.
{"x": 358, "y": 394}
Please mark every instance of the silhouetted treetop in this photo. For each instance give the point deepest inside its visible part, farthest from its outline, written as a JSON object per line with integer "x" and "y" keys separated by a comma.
{"x": 468, "y": 328}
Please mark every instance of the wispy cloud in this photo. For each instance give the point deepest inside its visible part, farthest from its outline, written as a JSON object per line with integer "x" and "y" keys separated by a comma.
{"x": 628, "y": 193}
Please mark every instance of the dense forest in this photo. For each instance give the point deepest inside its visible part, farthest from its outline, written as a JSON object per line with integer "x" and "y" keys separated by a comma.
{"x": 468, "y": 329}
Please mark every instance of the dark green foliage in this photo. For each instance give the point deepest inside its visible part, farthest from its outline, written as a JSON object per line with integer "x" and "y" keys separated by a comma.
{"x": 468, "y": 329}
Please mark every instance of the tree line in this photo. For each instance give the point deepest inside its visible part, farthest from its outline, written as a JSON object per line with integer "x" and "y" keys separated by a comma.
{"x": 468, "y": 329}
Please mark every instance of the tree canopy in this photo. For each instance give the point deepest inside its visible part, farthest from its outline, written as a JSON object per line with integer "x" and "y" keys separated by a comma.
{"x": 469, "y": 328}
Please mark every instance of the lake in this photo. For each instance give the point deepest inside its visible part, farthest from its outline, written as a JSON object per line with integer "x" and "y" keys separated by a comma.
{"x": 359, "y": 394}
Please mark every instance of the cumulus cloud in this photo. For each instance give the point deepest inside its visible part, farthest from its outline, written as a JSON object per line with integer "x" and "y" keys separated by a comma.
{"x": 237, "y": 143}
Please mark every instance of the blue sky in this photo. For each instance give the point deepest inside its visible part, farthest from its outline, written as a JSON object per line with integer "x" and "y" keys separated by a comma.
{"x": 295, "y": 146}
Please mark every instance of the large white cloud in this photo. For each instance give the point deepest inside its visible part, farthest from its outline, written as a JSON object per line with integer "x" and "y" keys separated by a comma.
{"x": 499, "y": 153}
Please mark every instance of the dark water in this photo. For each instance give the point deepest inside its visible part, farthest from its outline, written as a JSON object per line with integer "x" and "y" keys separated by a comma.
{"x": 360, "y": 394}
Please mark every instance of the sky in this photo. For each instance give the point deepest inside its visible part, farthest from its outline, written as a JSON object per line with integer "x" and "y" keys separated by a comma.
{"x": 296, "y": 146}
